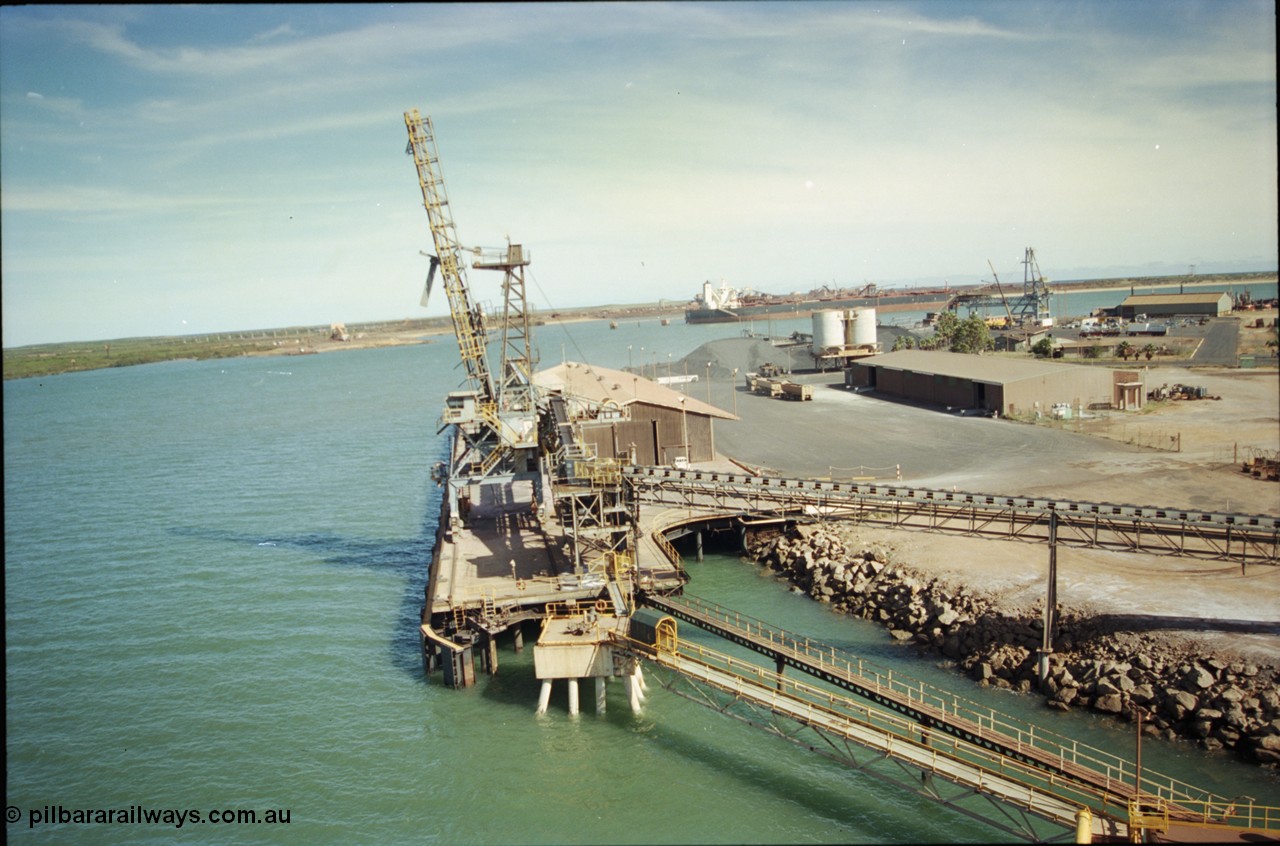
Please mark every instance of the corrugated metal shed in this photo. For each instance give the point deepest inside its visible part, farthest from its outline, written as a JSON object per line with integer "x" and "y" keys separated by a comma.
{"x": 1004, "y": 385}
{"x": 1217, "y": 303}
{"x": 654, "y": 424}
{"x": 989, "y": 370}
{"x": 600, "y": 385}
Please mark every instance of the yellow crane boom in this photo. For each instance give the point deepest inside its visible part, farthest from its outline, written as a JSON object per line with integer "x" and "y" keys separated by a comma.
{"x": 468, "y": 320}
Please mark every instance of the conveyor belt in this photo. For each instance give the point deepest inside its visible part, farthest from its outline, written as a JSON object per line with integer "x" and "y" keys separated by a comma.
{"x": 931, "y": 707}
{"x": 1249, "y": 538}
{"x": 1008, "y": 770}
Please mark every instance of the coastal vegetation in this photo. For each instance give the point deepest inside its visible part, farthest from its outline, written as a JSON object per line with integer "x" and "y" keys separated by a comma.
{"x": 51, "y": 359}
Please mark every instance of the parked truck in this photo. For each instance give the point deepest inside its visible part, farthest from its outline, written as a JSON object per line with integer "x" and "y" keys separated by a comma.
{"x": 796, "y": 391}
{"x": 768, "y": 387}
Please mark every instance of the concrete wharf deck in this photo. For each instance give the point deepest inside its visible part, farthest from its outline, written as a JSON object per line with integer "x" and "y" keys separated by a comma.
{"x": 506, "y": 565}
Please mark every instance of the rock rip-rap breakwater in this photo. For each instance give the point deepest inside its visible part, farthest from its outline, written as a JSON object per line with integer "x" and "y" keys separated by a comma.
{"x": 1218, "y": 702}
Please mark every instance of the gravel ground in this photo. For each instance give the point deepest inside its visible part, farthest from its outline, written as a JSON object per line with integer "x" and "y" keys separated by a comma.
{"x": 1210, "y": 603}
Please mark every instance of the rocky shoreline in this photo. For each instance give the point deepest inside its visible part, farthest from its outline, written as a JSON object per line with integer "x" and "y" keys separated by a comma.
{"x": 1219, "y": 702}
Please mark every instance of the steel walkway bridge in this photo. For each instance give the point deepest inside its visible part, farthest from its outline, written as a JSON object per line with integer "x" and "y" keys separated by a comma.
{"x": 1017, "y": 777}
{"x": 1246, "y": 538}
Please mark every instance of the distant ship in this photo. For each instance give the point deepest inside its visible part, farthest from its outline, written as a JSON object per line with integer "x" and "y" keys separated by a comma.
{"x": 726, "y": 304}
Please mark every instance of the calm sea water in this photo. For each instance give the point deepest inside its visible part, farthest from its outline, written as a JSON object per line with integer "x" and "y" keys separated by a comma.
{"x": 213, "y": 573}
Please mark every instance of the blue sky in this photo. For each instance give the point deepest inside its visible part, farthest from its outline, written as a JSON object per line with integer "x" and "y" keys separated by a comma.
{"x": 180, "y": 170}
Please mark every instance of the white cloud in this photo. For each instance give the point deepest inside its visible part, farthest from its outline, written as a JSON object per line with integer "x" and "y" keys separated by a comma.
{"x": 646, "y": 146}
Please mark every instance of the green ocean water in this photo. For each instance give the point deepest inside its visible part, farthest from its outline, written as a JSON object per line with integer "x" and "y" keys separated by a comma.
{"x": 213, "y": 572}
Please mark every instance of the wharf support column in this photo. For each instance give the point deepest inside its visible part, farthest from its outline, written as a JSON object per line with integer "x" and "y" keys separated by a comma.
{"x": 456, "y": 660}
{"x": 544, "y": 696}
{"x": 459, "y": 667}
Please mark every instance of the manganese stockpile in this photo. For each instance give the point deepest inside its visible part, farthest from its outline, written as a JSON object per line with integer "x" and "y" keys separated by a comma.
{"x": 1218, "y": 703}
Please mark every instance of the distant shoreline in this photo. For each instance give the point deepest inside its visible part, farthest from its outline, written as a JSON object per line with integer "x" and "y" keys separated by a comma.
{"x": 74, "y": 356}
{"x": 1109, "y": 285}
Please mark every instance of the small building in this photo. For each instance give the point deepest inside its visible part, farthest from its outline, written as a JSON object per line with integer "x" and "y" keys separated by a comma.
{"x": 1019, "y": 340}
{"x": 1007, "y": 386}
{"x": 620, "y": 414}
{"x": 1211, "y": 303}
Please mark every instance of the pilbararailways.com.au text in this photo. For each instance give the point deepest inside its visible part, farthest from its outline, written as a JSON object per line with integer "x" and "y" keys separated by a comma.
{"x": 140, "y": 815}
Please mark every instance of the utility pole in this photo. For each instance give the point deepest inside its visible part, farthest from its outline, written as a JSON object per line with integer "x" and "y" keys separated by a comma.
{"x": 1050, "y": 600}
{"x": 684, "y": 428}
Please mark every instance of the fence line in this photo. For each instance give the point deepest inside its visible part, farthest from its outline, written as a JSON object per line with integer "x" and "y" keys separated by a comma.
{"x": 1242, "y": 453}
{"x": 864, "y": 473}
{"x": 1166, "y": 440}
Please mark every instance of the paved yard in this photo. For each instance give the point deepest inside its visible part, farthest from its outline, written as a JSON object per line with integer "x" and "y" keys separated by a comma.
{"x": 1211, "y": 602}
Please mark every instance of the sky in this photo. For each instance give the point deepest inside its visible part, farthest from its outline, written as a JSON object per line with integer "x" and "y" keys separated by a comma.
{"x": 177, "y": 170}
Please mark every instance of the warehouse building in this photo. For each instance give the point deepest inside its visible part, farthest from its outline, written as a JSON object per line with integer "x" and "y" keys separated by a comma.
{"x": 1009, "y": 387}
{"x": 622, "y": 415}
{"x": 1211, "y": 303}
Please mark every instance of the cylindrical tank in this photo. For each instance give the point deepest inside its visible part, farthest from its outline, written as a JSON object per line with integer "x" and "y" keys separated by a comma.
{"x": 828, "y": 331}
{"x": 864, "y": 326}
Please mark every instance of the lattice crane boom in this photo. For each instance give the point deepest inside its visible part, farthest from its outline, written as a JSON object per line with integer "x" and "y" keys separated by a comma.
{"x": 468, "y": 320}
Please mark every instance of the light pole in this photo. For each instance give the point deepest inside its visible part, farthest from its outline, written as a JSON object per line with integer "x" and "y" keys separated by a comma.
{"x": 629, "y": 364}
{"x": 734, "y": 391}
{"x": 684, "y": 428}
{"x": 708, "y": 383}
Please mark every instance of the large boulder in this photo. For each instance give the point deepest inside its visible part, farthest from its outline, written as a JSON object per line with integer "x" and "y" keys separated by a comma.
{"x": 1196, "y": 679}
{"x": 1109, "y": 703}
{"x": 1179, "y": 703}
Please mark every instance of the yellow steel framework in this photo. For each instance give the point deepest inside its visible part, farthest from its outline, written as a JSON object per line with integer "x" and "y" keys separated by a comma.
{"x": 468, "y": 321}
{"x": 502, "y": 423}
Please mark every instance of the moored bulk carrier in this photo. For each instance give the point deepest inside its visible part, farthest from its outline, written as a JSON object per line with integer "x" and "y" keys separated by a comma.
{"x": 727, "y": 304}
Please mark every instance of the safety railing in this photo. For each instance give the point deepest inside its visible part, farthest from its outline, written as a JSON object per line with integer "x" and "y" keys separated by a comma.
{"x": 899, "y": 737}
{"x": 981, "y": 721}
{"x": 1241, "y": 812}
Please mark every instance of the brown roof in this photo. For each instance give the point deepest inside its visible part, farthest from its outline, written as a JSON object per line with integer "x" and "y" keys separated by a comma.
{"x": 601, "y": 385}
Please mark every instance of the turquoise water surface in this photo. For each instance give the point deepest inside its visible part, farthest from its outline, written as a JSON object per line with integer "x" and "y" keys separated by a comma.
{"x": 213, "y": 572}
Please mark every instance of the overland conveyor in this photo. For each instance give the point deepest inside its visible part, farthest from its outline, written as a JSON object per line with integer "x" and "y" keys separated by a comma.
{"x": 1065, "y": 799}
{"x": 934, "y": 708}
{"x": 893, "y": 738}
{"x": 1247, "y": 538}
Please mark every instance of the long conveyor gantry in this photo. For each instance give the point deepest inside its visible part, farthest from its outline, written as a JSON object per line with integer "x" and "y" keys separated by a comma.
{"x": 1006, "y": 773}
{"x": 1247, "y": 538}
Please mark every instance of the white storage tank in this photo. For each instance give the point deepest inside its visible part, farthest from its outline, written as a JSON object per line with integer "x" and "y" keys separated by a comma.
{"x": 828, "y": 331}
{"x": 863, "y": 321}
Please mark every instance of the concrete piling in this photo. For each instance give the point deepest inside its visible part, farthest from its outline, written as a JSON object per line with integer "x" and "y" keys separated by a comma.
{"x": 544, "y": 696}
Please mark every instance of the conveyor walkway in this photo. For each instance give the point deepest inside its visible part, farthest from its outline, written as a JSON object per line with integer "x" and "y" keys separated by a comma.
{"x": 929, "y": 706}
{"x": 1247, "y": 538}
{"x": 912, "y": 724}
